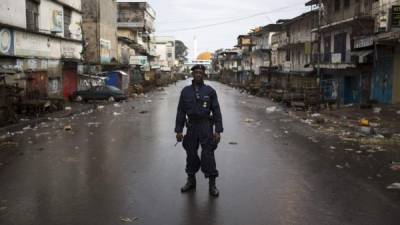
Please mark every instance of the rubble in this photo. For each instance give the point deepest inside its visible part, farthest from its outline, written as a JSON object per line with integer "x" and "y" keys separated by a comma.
{"x": 377, "y": 110}
{"x": 395, "y": 166}
{"x": 128, "y": 220}
{"x": 271, "y": 109}
{"x": 394, "y": 186}
{"x": 67, "y": 127}
{"x": 249, "y": 120}
{"x": 93, "y": 124}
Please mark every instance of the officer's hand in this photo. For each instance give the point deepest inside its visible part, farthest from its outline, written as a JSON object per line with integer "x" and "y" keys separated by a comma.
{"x": 217, "y": 137}
{"x": 179, "y": 137}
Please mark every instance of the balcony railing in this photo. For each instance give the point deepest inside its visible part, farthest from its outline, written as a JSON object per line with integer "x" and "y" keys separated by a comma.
{"x": 334, "y": 58}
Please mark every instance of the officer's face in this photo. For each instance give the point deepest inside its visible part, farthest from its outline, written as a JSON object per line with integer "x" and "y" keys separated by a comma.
{"x": 198, "y": 75}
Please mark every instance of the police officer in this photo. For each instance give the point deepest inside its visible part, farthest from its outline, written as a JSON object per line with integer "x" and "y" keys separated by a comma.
{"x": 199, "y": 109}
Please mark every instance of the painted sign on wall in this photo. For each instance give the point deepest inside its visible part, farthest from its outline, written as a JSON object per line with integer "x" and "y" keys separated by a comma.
{"x": 105, "y": 51}
{"x": 138, "y": 60}
{"x": 396, "y": 16}
{"x": 6, "y": 42}
{"x": 57, "y": 22}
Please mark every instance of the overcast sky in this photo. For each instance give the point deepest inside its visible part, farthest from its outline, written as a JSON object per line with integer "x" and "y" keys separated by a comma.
{"x": 175, "y": 15}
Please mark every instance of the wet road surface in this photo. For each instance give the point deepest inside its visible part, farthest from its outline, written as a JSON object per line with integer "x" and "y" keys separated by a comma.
{"x": 120, "y": 162}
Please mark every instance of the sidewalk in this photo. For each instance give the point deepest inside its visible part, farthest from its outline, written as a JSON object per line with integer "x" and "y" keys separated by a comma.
{"x": 71, "y": 108}
{"x": 377, "y": 127}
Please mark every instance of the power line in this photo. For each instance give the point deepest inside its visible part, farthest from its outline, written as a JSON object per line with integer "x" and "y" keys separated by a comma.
{"x": 230, "y": 21}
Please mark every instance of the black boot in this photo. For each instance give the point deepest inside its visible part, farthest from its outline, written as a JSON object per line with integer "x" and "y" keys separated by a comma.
{"x": 190, "y": 184}
{"x": 212, "y": 188}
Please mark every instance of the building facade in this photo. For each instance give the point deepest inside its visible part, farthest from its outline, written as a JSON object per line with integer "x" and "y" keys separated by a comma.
{"x": 42, "y": 43}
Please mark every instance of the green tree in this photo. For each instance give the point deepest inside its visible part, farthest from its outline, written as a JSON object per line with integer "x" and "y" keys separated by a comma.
{"x": 181, "y": 51}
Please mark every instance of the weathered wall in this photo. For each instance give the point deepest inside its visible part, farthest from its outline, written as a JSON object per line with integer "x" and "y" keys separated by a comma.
{"x": 75, "y": 27}
{"x": 76, "y": 4}
{"x": 35, "y": 45}
{"x": 108, "y": 26}
{"x": 13, "y": 13}
{"x": 51, "y": 17}
{"x": 90, "y": 30}
{"x": 396, "y": 76}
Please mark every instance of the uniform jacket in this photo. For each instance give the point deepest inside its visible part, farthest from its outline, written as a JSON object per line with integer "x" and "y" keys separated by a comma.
{"x": 198, "y": 106}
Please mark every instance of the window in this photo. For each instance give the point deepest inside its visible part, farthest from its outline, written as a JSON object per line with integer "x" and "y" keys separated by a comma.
{"x": 32, "y": 15}
{"x": 337, "y": 5}
{"x": 346, "y": 4}
{"x": 67, "y": 22}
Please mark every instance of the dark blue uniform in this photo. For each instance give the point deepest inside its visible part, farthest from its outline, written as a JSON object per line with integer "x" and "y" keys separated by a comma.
{"x": 199, "y": 110}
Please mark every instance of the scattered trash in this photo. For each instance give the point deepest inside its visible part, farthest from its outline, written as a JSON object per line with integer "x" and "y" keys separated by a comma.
{"x": 394, "y": 186}
{"x": 243, "y": 102}
{"x": 349, "y": 149}
{"x": 233, "y": 143}
{"x": 27, "y": 128}
{"x": 8, "y": 143}
{"x": 249, "y": 120}
{"x": 377, "y": 110}
{"x": 116, "y": 114}
{"x": 100, "y": 107}
{"x": 314, "y": 115}
{"x": 367, "y": 130}
{"x": 332, "y": 147}
{"x": 313, "y": 139}
{"x": 67, "y": 127}
{"x": 148, "y": 101}
{"x": 307, "y": 121}
{"x": 68, "y": 108}
{"x": 286, "y": 132}
{"x": 117, "y": 105}
{"x": 364, "y": 122}
{"x": 268, "y": 130}
{"x": 76, "y": 147}
{"x": 3, "y": 208}
{"x": 128, "y": 220}
{"x": 271, "y": 109}
{"x": 380, "y": 136}
{"x": 143, "y": 112}
{"x": 42, "y": 134}
{"x": 339, "y": 167}
{"x": 359, "y": 152}
{"x": 398, "y": 112}
{"x": 395, "y": 166}
{"x": 93, "y": 124}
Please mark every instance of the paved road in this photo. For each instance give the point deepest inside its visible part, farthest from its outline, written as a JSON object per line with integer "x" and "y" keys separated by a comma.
{"x": 127, "y": 167}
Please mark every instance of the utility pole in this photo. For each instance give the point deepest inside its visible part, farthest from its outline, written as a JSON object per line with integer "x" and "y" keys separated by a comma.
{"x": 319, "y": 45}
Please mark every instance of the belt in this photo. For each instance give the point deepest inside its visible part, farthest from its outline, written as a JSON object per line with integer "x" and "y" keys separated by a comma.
{"x": 199, "y": 120}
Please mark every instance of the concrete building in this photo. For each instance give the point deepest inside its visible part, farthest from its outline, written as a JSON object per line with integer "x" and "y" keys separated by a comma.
{"x": 386, "y": 69}
{"x": 42, "y": 42}
{"x": 136, "y": 29}
{"x": 100, "y": 33}
{"x": 345, "y": 64}
{"x": 165, "y": 51}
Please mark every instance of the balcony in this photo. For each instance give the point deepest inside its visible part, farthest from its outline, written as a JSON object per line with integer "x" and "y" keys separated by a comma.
{"x": 328, "y": 60}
